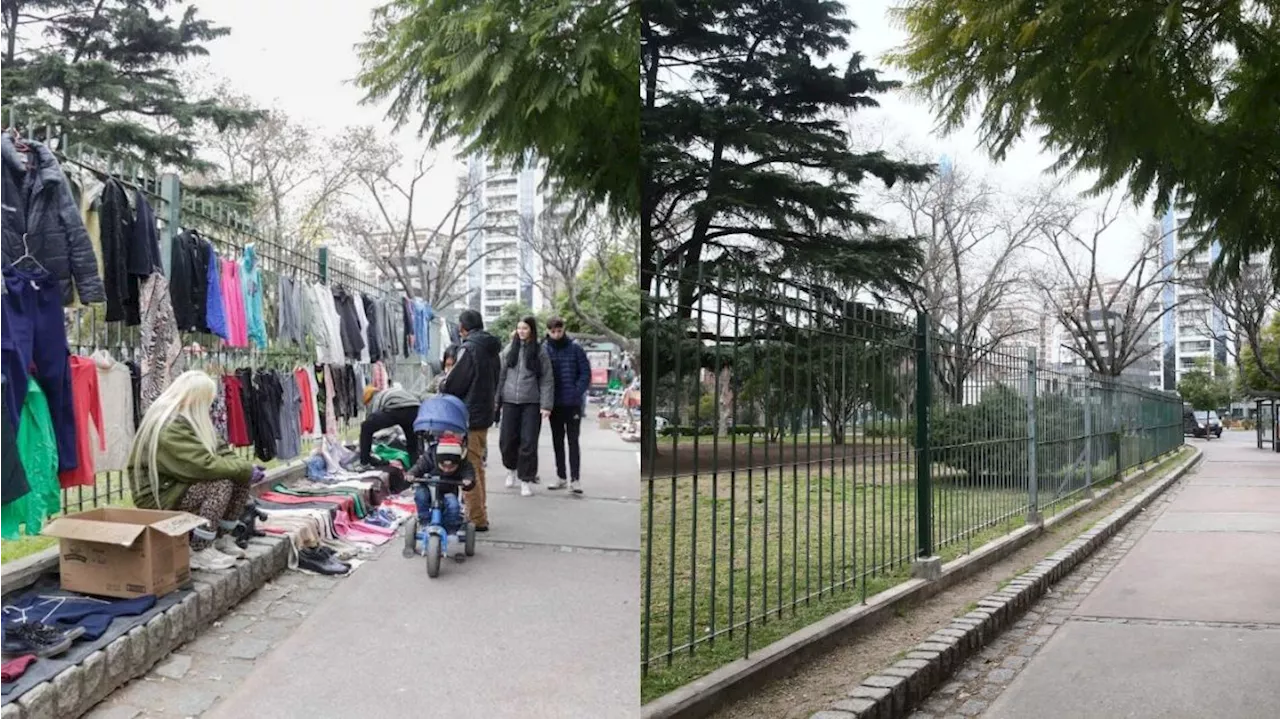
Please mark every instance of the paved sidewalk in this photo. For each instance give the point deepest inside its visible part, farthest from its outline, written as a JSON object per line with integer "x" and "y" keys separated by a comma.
{"x": 1186, "y": 622}
{"x": 542, "y": 622}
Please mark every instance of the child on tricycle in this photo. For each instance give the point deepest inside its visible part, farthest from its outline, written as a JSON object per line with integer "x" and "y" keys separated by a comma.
{"x": 442, "y": 470}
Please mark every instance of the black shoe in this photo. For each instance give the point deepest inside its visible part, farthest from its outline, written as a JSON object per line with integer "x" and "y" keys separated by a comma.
{"x": 42, "y": 640}
{"x": 485, "y": 528}
{"x": 317, "y": 561}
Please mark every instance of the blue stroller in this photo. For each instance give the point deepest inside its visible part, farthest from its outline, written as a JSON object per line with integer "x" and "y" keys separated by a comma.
{"x": 436, "y": 416}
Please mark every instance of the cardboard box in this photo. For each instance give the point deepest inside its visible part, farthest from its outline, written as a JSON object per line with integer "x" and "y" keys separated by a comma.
{"x": 116, "y": 552}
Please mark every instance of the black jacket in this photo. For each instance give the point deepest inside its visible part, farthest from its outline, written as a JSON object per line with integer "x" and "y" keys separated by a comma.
{"x": 38, "y": 205}
{"x": 349, "y": 324}
{"x": 474, "y": 379}
{"x": 426, "y": 467}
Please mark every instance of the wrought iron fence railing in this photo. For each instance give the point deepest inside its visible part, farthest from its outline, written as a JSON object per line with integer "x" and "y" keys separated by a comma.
{"x": 804, "y": 448}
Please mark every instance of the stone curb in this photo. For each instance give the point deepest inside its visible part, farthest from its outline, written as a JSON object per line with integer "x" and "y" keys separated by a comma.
{"x": 896, "y": 690}
{"x": 76, "y": 689}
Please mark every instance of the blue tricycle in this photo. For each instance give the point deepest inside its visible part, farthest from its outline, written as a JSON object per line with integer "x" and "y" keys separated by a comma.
{"x": 436, "y": 416}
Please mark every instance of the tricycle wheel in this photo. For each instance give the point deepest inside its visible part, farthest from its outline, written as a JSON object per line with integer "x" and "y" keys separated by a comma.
{"x": 471, "y": 539}
{"x": 410, "y": 538}
{"x": 433, "y": 556}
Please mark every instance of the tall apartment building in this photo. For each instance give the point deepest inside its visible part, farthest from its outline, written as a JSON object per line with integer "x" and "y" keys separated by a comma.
{"x": 506, "y": 266}
{"x": 1194, "y": 331}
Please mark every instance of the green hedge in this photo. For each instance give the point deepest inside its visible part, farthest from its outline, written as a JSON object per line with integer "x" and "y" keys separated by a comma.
{"x": 889, "y": 429}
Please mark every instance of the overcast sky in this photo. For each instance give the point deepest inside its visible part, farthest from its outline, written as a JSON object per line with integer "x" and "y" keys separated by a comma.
{"x": 299, "y": 55}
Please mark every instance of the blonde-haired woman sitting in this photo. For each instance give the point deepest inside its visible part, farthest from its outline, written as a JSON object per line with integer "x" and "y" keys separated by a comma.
{"x": 178, "y": 463}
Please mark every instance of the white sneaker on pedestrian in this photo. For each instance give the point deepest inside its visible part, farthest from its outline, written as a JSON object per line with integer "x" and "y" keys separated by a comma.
{"x": 526, "y": 489}
{"x": 575, "y": 486}
{"x": 511, "y": 478}
{"x": 226, "y": 545}
{"x": 557, "y": 484}
{"x": 211, "y": 560}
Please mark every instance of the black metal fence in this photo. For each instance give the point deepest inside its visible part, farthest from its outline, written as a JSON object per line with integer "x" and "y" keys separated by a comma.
{"x": 804, "y": 449}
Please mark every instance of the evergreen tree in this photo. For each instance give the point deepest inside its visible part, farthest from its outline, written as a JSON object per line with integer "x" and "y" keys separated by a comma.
{"x": 103, "y": 72}
{"x": 1176, "y": 100}
{"x": 744, "y": 155}
{"x": 556, "y": 79}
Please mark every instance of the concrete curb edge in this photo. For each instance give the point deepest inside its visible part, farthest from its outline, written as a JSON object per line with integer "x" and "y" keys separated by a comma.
{"x": 702, "y": 696}
{"x": 76, "y": 689}
{"x": 895, "y": 691}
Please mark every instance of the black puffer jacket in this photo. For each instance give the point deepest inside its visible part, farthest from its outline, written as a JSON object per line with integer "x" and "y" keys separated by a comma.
{"x": 474, "y": 379}
{"x": 38, "y": 205}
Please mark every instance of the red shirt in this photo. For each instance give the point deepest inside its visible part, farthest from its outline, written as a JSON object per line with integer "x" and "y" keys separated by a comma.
{"x": 87, "y": 405}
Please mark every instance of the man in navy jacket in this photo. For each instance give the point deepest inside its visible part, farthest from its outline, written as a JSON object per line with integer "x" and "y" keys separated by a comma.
{"x": 573, "y": 376}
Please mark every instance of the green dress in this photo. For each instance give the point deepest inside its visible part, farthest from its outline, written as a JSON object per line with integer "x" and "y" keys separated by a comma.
{"x": 38, "y": 450}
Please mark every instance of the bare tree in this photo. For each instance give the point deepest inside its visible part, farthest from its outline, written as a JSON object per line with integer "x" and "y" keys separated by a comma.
{"x": 382, "y": 215}
{"x": 298, "y": 172}
{"x": 565, "y": 249}
{"x": 1244, "y": 305}
{"x": 975, "y": 242}
{"x": 1110, "y": 323}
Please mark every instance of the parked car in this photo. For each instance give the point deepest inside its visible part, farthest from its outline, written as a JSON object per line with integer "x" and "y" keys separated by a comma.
{"x": 1192, "y": 424}
{"x": 1213, "y": 423}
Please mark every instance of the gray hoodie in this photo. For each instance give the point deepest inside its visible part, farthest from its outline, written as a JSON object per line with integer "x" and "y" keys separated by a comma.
{"x": 519, "y": 385}
{"x": 393, "y": 398}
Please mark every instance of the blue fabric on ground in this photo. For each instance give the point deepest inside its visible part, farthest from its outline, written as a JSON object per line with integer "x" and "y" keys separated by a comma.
{"x": 67, "y": 612}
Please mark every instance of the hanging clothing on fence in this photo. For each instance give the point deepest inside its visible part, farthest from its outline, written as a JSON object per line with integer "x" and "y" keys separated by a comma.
{"x": 34, "y": 335}
{"x": 289, "y": 443}
{"x": 352, "y": 336}
{"x": 90, "y": 214}
{"x": 160, "y": 343}
{"x": 251, "y": 276}
{"x": 38, "y": 450}
{"x": 324, "y": 408}
{"x": 455, "y": 337}
{"x": 268, "y": 396}
{"x": 233, "y": 299}
{"x": 116, "y": 233}
{"x": 41, "y": 219}
{"x": 373, "y": 336}
{"x": 289, "y": 326}
{"x": 306, "y": 402}
{"x": 357, "y": 303}
{"x": 326, "y": 325}
{"x": 390, "y": 332}
{"x": 215, "y": 311}
{"x": 237, "y": 424}
{"x": 422, "y": 316}
{"x": 135, "y": 379}
{"x": 406, "y": 320}
{"x": 218, "y": 410}
{"x": 88, "y": 418}
{"x": 115, "y": 394}
{"x": 13, "y": 477}
{"x": 189, "y": 282}
{"x": 144, "y": 254}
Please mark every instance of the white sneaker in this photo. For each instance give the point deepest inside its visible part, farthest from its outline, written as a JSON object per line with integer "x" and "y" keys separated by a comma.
{"x": 226, "y": 545}
{"x": 511, "y": 479}
{"x": 526, "y": 489}
{"x": 557, "y": 484}
{"x": 575, "y": 486}
{"x": 211, "y": 560}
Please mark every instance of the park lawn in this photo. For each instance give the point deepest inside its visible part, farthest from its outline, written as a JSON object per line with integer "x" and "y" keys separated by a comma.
{"x": 824, "y": 541}
{"x": 833, "y": 536}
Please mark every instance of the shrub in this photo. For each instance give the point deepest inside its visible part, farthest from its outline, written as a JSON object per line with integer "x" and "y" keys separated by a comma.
{"x": 898, "y": 429}
{"x": 684, "y": 431}
{"x": 988, "y": 440}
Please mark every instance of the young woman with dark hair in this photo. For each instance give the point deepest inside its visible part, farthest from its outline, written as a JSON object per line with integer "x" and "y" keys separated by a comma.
{"x": 526, "y": 394}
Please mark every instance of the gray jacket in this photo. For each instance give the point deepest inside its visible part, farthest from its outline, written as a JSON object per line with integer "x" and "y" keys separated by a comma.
{"x": 39, "y": 206}
{"x": 519, "y": 385}
{"x": 393, "y": 398}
